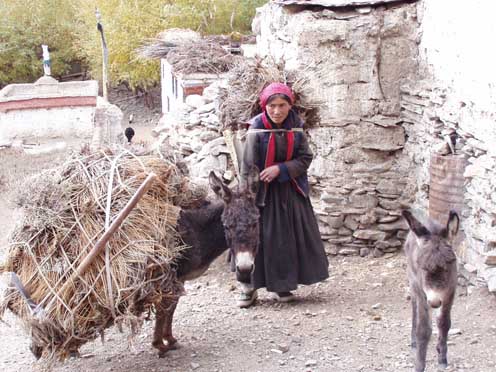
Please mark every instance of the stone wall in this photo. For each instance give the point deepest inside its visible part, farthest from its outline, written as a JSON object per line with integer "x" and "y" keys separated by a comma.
{"x": 355, "y": 59}
{"x": 193, "y": 132}
{"x": 457, "y": 96}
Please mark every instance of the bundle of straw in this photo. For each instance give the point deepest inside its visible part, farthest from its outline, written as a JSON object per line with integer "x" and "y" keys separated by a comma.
{"x": 66, "y": 210}
{"x": 201, "y": 56}
{"x": 239, "y": 100}
{"x": 160, "y": 46}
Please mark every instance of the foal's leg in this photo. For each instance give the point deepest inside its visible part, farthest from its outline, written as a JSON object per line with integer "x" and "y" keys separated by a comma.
{"x": 443, "y": 325}
{"x": 423, "y": 331}
{"x": 163, "y": 321}
{"x": 413, "y": 343}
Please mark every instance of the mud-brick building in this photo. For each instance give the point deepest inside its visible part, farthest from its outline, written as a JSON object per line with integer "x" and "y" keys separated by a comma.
{"x": 398, "y": 79}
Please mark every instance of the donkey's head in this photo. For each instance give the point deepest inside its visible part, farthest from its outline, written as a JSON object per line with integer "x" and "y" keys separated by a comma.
{"x": 241, "y": 220}
{"x": 434, "y": 256}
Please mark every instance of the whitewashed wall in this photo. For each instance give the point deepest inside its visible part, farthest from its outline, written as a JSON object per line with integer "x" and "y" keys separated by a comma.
{"x": 47, "y": 123}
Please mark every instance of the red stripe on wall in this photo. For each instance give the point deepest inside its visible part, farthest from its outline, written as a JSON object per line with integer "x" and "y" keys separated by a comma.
{"x": 46, "y": 103}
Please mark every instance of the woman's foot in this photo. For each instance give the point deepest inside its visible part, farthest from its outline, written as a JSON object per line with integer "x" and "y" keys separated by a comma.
{"x": 284, "y": 296}
{"x": 246, "y": 299}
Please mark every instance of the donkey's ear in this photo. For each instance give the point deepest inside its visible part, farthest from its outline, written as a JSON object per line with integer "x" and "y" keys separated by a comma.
{"x": 219, "y": 188}
{"x": 253, "y": 179}
{"x": 418, "y": 229}
{"x": 452, "y": 226}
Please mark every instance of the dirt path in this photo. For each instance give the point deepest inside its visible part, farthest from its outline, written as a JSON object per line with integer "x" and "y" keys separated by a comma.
{"x": 358, "y": 320}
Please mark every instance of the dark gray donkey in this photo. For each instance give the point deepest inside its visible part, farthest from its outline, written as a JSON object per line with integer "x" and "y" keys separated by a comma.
{"x": 432, "y": 273}
{"x": 210, "y": 230}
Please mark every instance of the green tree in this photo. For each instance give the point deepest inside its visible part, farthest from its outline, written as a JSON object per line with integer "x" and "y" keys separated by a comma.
{"x": 68, "y": 27}
{"x": 24, "y": 26}
{"x": 128, "y": 24}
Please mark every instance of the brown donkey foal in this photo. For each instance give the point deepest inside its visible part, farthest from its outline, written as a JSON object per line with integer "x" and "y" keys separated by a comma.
{"x": 432, "y": 273}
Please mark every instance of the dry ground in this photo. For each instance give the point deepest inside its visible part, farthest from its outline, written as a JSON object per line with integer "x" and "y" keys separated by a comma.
{"x": 358, "y": 320}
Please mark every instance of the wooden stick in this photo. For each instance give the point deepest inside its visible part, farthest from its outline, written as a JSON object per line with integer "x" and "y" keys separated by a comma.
{"x": 101, "y": 243}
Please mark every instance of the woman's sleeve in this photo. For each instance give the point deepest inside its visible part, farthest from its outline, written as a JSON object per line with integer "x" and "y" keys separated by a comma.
{"x": 299, "y": 164}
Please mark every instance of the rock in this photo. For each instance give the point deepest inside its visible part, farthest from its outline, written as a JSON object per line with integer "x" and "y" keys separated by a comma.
{"x": 490, "y": 257}
{"x": 310, "y": 363}
{"x": 392, "y": 243}
{"x": 398, "y": 225}
{"x": 470, "y": 268}
{"x": 208, "y": 136}
{"x": 388, "y": 219}
{"x": 348, "y": 251}
{"x": 363, "y": 201}
{"x": 491, "y": 280}
{"x": 331, "y": 249}
{"x": 343, "y": 231}
{"x": 209, "y": 107}
{"x": 378, "y": 253}
{"x": 350, "y": 223}
{"x": 195, "y": 100}
{"x": 454, "y": 331}
{"x": 195, "y": 366}
{"x": 335, "y": 221}
{"x": 370, "y": 234}
{"x": 211, "y": 119}
{"x": 283, "y": 348}
{"x": 389, "y": 204}
{"x": 364, "y": 252}
{"x": 194, "y": 119}
{"x": 387, "y": 186}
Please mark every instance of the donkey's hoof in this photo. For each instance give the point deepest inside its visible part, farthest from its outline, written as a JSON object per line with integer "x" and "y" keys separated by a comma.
{"x": 443, "y": 365}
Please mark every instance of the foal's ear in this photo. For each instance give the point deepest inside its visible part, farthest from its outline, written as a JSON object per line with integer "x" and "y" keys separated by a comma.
{"x": 418, "y": 229}
{"x": 219, "y": 188}
{"x": 452, "y": 226}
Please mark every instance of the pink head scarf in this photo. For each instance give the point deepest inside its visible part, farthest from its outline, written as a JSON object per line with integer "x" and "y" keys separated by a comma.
{"x": 275, "y": 88}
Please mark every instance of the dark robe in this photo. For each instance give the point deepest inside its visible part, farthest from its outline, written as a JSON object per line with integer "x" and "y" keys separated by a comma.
{"x": 291, "y": 251}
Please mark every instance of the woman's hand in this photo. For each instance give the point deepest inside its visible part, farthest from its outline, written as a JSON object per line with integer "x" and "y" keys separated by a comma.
{"x": 270, "y": 173}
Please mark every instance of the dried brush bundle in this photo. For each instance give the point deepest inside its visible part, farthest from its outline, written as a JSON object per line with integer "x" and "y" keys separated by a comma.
{"x": 239, "y": 99}
{"x": 65, "y": 211}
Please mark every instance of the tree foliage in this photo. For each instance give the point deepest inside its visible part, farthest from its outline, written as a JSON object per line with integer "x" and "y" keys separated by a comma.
{"x": 69, "y": 28}
{"x": 24, "y": 26}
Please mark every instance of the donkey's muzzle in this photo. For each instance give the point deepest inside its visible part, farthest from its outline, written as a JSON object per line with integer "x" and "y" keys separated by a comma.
{"x": 435, "y": 303}
{"x": 434, "y": 299}
{"x": 245, "y": 264}
{"x": 243, "y": 276}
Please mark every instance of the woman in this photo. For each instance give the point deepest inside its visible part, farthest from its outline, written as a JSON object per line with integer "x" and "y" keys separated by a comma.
{"x": 291, "y": 250}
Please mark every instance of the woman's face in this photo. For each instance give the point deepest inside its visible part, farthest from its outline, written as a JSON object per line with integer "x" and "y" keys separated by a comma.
{"x": 278, "y": 109}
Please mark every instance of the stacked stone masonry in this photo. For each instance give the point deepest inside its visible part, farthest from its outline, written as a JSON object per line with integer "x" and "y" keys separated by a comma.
{"x": 355, "y": 59}
{"x": 430, "y": 114}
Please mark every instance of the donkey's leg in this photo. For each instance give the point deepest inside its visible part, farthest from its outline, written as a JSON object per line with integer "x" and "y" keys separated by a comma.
{"x": 163, "y": 316}
{"x": 414, "y": 322}
{"x": 423, "y": 331}
{"x": 443, "y": 325}
{"x": 167, "y": 332}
